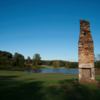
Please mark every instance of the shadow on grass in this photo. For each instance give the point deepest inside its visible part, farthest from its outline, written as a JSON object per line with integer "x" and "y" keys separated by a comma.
{"x": 11, "y": 89}
{"x": 72, "y": 90}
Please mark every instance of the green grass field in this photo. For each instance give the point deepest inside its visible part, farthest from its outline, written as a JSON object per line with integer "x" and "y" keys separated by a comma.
{"x": 17, "y": 85}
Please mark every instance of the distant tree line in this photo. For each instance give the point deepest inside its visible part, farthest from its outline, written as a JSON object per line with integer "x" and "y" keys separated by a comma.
{"x": 9, "y": 61}
{"x": 97, "y": 61}
{"x": 60, "y": 63}
{"x": 17, "y": 61}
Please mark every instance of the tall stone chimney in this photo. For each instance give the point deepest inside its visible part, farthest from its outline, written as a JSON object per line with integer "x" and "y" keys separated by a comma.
{"x": 86, "y": 53}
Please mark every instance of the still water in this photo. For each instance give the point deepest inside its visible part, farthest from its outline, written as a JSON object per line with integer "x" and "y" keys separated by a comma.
{"x": 58, "y": 70}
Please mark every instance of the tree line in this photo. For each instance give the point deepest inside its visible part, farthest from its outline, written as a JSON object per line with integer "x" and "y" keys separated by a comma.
{"x": 17, "y": 61}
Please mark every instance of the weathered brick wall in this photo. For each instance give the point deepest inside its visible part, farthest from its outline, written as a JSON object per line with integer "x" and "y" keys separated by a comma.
{"x": 86, "y": 48}
{"x": 86, "y": 52}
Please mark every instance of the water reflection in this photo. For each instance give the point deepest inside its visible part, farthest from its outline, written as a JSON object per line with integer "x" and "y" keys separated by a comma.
{"x": 60, "y": 70}
{"x": 56, "y": 70}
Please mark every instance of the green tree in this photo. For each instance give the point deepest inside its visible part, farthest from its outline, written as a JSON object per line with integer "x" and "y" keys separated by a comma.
{"x": 56, "y": 64}
{"x": 28, "y": 60}
{"x": 18, "y": 60}
{"x": 71, "y": 65}
{"x": 28, "y": 63}
{"x": 36, "y": 59}
{"x": 5, "y": 60}
{"x": 68, "y": 65}
{"x": 97, "y": 61}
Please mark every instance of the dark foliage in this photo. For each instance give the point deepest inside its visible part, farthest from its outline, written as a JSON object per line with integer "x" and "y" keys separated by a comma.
{"x": 6, "y": 59}
{"x": 97, "y": 64}
{"x": 18, "y": 62}
{"x": 36, "y": 60}
{"x": 61, "y": 63}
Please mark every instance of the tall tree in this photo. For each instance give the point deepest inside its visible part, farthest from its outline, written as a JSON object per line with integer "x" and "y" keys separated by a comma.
{"x": 36, "y": 59}
{"x": 28, "y": 63}
{"x": 18, "y": 60}
{"x": 29, "y": 60}
{"x": 5, "y": 59}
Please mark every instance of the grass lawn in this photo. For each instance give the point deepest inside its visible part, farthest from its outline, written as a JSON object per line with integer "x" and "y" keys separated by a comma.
{"x": 17, "y": 85}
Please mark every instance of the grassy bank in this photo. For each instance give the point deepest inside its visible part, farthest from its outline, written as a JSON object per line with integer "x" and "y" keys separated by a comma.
{"x": 17, "y": 85}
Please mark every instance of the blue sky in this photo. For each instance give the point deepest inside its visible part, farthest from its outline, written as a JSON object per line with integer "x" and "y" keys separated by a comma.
{"x": 48, "y": 27}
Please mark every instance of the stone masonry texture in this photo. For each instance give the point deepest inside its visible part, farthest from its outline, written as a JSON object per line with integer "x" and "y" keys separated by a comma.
{"x": 86, "y": 53}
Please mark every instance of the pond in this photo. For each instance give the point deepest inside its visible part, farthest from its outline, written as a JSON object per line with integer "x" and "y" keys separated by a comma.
{"x": 57, "y": 70}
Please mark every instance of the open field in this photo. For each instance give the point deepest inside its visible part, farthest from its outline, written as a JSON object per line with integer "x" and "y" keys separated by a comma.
{"x": 17, "y": 85}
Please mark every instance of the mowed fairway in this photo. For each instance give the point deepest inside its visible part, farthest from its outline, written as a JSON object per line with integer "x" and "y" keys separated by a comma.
{"x": 17, "y": 85}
